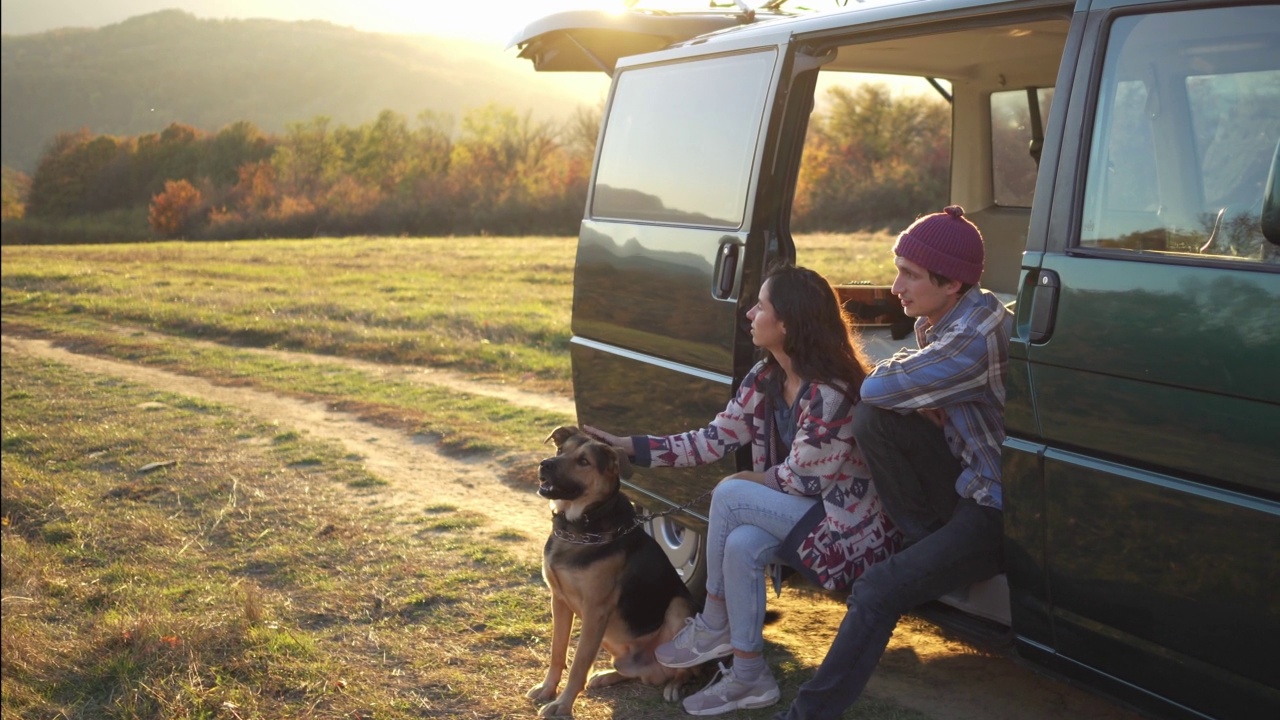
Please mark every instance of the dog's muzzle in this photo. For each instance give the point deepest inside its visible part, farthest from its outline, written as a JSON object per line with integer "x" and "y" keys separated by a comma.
{"x": 552, "y": 488}
{"x": 546, "y": 482}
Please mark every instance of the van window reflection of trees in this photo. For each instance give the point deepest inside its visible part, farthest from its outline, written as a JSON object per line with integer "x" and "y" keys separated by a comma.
{"x": 872, "y": 161}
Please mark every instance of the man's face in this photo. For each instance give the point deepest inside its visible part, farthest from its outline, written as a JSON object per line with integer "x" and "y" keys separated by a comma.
{"x": 919, "y": 295}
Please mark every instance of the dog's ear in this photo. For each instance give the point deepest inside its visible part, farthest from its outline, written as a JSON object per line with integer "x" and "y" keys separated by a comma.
{"x": 610, "y": 461}
{"x": 562, "y": 433}
{"x": 624, "y": 463}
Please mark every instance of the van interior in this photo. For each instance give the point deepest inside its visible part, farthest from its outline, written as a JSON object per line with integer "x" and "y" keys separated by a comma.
{"x": 998, "y": 79}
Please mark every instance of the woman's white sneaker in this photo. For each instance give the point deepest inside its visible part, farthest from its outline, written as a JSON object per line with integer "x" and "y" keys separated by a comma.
{"x": 694, "y": 645}
{"x": 726, "y": 692}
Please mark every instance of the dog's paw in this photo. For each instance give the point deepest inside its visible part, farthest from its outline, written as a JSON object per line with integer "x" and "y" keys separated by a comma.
{"x": 541, "y": 693}
{"x": 604, "y": 679}
{"x": 671, "y": 692}
{"x": 557, "y": 708}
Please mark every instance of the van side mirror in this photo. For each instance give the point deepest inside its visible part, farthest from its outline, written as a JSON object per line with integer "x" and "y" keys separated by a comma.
{"x": 1271, "y": 202}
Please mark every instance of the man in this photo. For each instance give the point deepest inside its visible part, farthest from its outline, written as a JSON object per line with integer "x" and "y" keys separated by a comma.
{"x": 930, "y": 424}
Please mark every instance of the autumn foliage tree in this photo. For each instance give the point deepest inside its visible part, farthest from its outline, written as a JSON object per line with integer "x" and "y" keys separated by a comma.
{"x": 871, "y": 160}
{"x": 85, "y": 174}
{"x": 173, "y": 211}
{"x": 504, "y": 167}
{"x": 236, "y": 145}
{"x": 16, "y": 188}
{"x": 75, "y": 178}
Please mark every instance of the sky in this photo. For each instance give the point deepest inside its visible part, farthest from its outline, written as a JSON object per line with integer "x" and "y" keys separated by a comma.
{"x": 489, "y": 21}
{"x": 486, "y": 21}
{"x": 494, "y": 21}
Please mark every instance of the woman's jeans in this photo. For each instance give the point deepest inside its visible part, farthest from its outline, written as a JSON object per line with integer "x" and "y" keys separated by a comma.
{"x": 954, "y": 550}
{"x": 747, "y": 526}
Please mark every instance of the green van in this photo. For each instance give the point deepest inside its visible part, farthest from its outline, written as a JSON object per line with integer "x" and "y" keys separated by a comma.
{"x": 1121, "y": 158}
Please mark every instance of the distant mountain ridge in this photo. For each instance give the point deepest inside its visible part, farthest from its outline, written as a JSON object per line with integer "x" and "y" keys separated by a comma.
{"x": 143, "y": 74}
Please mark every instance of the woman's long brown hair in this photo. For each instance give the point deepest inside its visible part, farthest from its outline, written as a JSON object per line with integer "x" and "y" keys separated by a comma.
{"x": 820, "y": 339}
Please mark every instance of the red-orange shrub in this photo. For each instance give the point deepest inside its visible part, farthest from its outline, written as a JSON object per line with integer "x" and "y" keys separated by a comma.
{"x": 173, "y": 210}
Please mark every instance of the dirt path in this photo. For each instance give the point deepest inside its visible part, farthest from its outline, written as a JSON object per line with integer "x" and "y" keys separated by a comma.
{"x": 922, "y": 670}
{"x": 405, "y": 461}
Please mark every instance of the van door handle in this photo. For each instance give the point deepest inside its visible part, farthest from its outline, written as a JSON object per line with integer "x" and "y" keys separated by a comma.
{"x": 727, "y": 278}
{"x": 1044, "y": 306}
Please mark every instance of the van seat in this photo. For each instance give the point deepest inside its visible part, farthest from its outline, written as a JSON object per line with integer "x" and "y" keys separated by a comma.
{"x": 1004, "y": 232}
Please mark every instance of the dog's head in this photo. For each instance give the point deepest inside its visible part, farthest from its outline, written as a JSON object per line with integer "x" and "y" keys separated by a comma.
{"x": 584, "y": 471}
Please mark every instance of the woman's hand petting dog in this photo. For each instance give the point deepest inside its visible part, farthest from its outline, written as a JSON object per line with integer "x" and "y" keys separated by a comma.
{"x": 624, "y": 444}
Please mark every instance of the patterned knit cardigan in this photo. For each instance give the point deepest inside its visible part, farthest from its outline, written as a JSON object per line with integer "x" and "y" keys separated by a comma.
{"x": 824, "y": 460}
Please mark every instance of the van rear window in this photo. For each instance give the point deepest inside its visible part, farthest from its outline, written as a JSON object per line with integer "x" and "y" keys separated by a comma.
{"x": 680, "y": 141}
{"x": 1014, "y": 145}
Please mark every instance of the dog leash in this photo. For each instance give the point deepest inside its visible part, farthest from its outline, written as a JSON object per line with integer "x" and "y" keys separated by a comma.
{"x": 607, "y": 537}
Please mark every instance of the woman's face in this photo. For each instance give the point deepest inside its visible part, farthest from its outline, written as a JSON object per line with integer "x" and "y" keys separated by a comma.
{"x": 767, "y": 331}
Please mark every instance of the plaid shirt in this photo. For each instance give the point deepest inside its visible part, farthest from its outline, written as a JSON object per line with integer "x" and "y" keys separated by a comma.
{"x": 822, "y": 462}
{"x": 959, "y": 368}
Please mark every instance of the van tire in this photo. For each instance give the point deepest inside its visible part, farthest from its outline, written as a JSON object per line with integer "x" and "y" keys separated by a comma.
{"x": 685, "y": 548}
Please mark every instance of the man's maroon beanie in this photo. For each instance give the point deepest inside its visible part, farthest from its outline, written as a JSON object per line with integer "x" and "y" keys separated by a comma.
{"x": 944, "y": 243}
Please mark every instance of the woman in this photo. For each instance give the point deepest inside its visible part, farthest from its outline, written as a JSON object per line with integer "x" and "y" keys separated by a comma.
{"x": 807, "y": 502}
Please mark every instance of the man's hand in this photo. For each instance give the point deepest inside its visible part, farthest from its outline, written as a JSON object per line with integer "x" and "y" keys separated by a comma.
{"x": 937, "y": 416}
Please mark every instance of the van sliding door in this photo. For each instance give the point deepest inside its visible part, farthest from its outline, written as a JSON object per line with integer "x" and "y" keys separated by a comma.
{"x": 668, "y": 261}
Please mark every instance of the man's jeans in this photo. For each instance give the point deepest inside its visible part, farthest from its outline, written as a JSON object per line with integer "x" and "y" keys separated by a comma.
{"x": 906, "y": 455}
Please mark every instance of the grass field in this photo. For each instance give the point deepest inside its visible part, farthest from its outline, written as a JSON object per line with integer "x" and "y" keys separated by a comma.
{"x": 496, "y": 309}
{"x": 240, "y": 582}
{"x": 237, "y": 583}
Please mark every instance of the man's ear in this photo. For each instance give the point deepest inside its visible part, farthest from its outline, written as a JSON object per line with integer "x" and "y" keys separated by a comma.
{"x": 952, "y": 287}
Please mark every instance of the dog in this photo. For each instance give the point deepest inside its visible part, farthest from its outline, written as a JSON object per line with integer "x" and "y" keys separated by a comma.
{"x": 605, "y": 570}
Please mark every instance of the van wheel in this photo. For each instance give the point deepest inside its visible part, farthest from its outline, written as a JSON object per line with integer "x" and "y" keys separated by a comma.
{"x": 685, "y": 549}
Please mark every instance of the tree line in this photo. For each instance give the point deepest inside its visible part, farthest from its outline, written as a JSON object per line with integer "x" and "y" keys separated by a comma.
{"x": 871, "y": 161}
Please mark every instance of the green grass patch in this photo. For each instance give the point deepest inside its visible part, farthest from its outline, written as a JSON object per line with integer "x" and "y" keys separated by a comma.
{"x": 454, "y": 521}
{"x": 496, "y": 308}
{"x": 234, "y": 579}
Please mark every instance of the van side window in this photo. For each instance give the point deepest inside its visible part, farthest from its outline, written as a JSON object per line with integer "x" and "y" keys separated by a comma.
{"x": 1187, "y": 123}
{"x": 1013, "y": 166}
{"x": 680, "y": 140}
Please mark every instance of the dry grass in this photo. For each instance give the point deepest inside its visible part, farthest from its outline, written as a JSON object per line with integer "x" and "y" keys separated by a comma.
{"x": 238, "y": 581}
{"x": 167, "y": 558}
{"x": 234, "y": 577}
{"x": 496, "y": 309}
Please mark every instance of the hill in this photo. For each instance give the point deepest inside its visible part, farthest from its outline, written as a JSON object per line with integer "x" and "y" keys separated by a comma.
{"x": 143, "y": 74}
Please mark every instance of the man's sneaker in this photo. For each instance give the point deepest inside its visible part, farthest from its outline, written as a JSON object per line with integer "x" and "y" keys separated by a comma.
{"x": 726, "y": 692}
{"x": 694, "y": 645}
